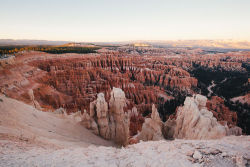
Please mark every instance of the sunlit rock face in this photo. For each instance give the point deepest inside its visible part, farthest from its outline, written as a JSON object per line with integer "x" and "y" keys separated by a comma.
{"x": 109, "y": 121}
{"x": 119, "y": 119}
{"x": 99, "y": 109}
{"x": 194, "y": 121}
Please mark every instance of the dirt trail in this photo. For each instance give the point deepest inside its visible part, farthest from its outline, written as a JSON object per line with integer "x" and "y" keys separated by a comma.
{"x": 209, "y": 88}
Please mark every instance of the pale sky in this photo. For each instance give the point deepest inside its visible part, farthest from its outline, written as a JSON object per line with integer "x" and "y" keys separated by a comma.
{"x": 123, "y": 20}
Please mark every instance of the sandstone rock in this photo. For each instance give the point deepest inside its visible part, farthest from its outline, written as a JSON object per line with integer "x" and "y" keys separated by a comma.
{"x": 98, "y": 116}
{"x": 89, "y": 123}
{"x": 194, "y": 121}
{"x": 102, "y": 119}
{"x": 152, "y": 127}
{"x": 117, "y": 101}
{"x": 94, "y": 127}
{"x": 86, "y": 120}
{"x": 221, "y": 112}
{"x": 112, "y": 123}
{"x": 169, "y": 129}
{"x": 155, "y": 115}
{"x": 84, "y": 77}
{"x": 136, "y": 121}
{"x": 77, "y": 116}
{"x": 200, "y": 101}
{"x": 120, "y": 118}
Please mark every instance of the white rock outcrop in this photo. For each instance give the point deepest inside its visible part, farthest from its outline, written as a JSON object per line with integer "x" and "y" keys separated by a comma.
{"x": 152, "y": 127}
{"x": 119, "y": 120}
{"x": 99, "y": 109}
{"x": 194, "y": 121}
{"x": 111, "y": 122}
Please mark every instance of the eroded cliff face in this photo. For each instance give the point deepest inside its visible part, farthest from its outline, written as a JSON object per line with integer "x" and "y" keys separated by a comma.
{"x": 142, "y": 81}
{"x": 113, "y": 121}
{"x": 73, "y": 81}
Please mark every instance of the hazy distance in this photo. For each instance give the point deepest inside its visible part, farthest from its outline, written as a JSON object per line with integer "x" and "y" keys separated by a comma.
{"x": 116, "y": 20}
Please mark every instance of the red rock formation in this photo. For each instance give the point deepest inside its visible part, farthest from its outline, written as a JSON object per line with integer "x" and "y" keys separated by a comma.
{"x": 83, "y": 78}
{"x": 221, "y": 112}
{"x": 72, "y": 81}
{"x": 136, "y": 121}
{"x": 149, "y": 76}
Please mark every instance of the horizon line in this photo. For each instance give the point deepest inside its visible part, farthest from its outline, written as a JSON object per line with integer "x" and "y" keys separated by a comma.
{"x": 135, "y": 40}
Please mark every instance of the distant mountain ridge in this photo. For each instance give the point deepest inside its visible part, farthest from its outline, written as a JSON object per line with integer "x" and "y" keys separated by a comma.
{"x": 31, "y": 42}
{"x": 226, "y": 44}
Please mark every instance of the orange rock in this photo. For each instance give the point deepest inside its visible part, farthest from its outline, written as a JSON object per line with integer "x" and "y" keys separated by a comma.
{"x": 221, "y": 112}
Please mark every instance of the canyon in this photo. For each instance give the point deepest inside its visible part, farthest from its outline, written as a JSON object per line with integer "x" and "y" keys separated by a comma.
{"x": 72, "y": 81}
{"x": 132, "y": 94}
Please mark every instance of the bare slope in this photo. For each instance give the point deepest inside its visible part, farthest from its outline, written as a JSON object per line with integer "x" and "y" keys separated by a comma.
{"x": 19, "y": 120}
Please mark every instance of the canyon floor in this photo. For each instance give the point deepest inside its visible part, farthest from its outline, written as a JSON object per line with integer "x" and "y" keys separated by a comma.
{"x": 29, "y": 137}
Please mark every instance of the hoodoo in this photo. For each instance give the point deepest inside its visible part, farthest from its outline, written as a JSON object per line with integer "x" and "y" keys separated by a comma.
{"x": 110, "y": 122}
{"x": 194, "y": 121}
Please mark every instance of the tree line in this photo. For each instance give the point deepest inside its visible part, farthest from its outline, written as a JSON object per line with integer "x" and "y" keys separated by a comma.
{"x": 4, "y": 50}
